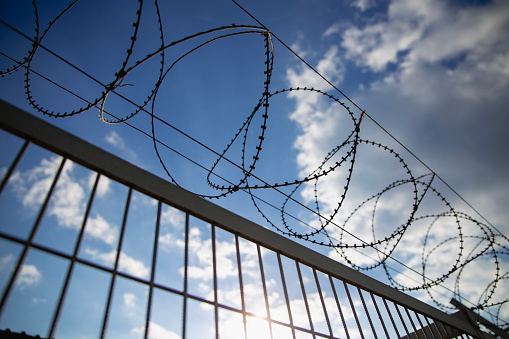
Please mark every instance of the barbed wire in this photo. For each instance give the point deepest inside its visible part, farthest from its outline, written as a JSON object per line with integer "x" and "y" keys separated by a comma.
{"x": 486, "y": 243}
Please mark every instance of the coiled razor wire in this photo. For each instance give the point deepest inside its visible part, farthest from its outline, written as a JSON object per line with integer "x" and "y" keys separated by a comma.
{"x": 490, "y": 246}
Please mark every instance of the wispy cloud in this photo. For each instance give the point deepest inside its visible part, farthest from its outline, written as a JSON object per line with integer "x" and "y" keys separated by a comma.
{"x": 363, "y": 4}
{"x": 126, "y": 263}
{"x": 201, "y": 249}
{"x": 68, "y": 200}
{"x": 32, "y": 185}
{"x": 332, "y": 30}
{"x": 330, "y": 66}
{"x": 28, "y": 276}
{"x": 172, "y": 217}
{"x": 115, "y": 140}
{"x": 156, "y": 331}
{"x": 99, "y": 228}
{"x": 129, "y": 301}
{"x": 169, "y": 241}
{"x": 39, "y": 300}
{"x": 103, "y": 187}
{"x": 416, "y": 33}
{"x": 5, "y": 261}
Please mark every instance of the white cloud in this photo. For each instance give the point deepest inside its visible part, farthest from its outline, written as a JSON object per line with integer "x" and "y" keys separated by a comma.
{"x": 103, "y": 187}
{"x": 299, "y": 313}
{"x": 202, "y": 251}
{"x": 39, "y": 300}
{"x": 141, "y": 200}
{"x": 232, "y": 295}
{"x": 379, "y": 44}
{"x": 32, "y": 185}
{"x": 196, "y": 272}
{"x": 28, "y": 276}
{"x": 133, "y": 266}
{"x": 99, "y": 228}
{"x": 5, "y": 261}
{"x": 129, "y": 301}
{"x": 356, "y": 256}
{"x": 156, "y": 331}
{"x": 173, "y": 217}
{"x": 254, "y": 298}
{"x": 416, "y": 33}
{"x": 332, "y": 30}
{"x": 297, "y": 45}
{"x": 330, "y": 67}
{"x": 363, "y": 4}
{"x": 115, "y": 140}
{"x": 166, "y": 240}
{"x": 126, "y": 263}
{"x": 68, "y": 201}
{"x": 225, "y": 259}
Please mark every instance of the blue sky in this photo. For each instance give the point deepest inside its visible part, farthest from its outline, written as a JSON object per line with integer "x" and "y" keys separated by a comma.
{"x": 433, "y": 73}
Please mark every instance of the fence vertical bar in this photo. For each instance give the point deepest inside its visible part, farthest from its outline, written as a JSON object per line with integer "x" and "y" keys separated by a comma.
{"x": 422, "y": 326}
{"x": 214, "y": 273}
{"x": 339, "y": 306}
{"x": 241, "y": 285}
{"x": 402, "y": 320}
{"x": 448, "y": 329}
{"x": 305, "y": 298}
{"x": 379, "y": 315}
{"x": 186, "y": 262}
{"x": 367, "y": 313}
{"x": 412, "y": 323}
{"x": 428, "y": 326}
{"x": 285, "y": 291}
{"x": 353, "y": 310}
{"x": 323, "y": 303}
{"x": 392, "y": 319}
{"x": 440, "y": 328}
{"x": 153, "y": 269}
{"x": 432, "y": 327}
{"x": 264, "y": 285}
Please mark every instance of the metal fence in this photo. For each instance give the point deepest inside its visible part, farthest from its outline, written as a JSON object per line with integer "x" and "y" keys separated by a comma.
{"x": 92, "y": 246}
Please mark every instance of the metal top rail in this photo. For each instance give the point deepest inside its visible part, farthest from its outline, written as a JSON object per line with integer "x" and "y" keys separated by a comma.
{"x": 425, "y": 321}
